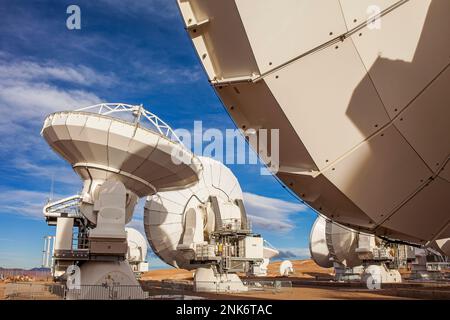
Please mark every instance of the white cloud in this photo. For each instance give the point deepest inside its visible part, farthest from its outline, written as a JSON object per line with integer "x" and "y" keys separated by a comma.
{"x": 154, "y": 261}
{"x": 27, "y": 95}
{"x": 24, "y": 203}
{"x": 30, "y": 100}
{"x": 57, "y": 173}
{"x": 27, "y": 91}
{"x": 270, "y": 224}
{"x": 28, "y": 70}
{"x": 271, "y": 213}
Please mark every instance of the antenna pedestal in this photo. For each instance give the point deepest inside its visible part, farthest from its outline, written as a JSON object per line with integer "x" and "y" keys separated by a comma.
{"x": 109, "y": 236}
{"x": 207, "y": 280}
{"x": 96, "y": 280}
{"x": 101, "y": 246}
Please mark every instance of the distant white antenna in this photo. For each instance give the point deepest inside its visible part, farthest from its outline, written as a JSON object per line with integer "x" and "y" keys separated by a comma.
{"x": 137, "y": 250}
{"x": 286, "y": 268}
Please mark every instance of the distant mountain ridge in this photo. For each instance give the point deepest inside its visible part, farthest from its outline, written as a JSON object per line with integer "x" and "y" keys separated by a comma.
{"x": 40, "y": 269}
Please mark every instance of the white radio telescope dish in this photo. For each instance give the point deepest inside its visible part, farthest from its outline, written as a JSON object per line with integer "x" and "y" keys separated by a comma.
{"x": 137, "y": 245}
{"x": 286, "y": 268}
{"x": 330, "y": 242}
{"x": 318, "y": 245}
{"x": 100, "y": 145}
{"x": 168, "y": 214}
{"x": 122, "y": 153}
{"x": 359, "y": 92}
{"x": 122, "y": 142}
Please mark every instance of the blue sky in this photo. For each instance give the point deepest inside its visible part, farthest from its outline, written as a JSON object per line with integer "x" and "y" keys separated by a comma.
{"x": 126, "y": 51}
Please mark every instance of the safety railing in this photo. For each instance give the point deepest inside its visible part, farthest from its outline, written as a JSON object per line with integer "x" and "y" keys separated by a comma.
{"x": 235, "y": 225}
{"x": 134, "y": 113}
{"x": 106, "y": 292}
{"x": 438, "y": 266}
{"x": 274, "y": 286}
{"x": 244, "y": 286}
{"x": 167, "y": 290}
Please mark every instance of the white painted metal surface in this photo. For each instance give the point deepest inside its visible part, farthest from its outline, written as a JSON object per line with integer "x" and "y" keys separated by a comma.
{"x": 286, "y": 268}
{"x": 253, "y": 248}
{"x": 137, "y": 245}
{"x": 269, "y": 253}
{"x": 64, "y": 234}
{"x": 165, "y": 217}
{"x": 122, "y": 153}
{"x": 444, "y": 246}
{"x": 359, "y": 91}
{"x": 331, "y": 243}
{"x": 318, "y": 244}
{"x": 100, "y": 146}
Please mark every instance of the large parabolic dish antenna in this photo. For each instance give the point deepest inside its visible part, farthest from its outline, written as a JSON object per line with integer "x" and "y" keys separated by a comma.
{"x": 318, "y": 246}
{"x": 121, "y": 141}
{"x": 194, "y": 216}
{"x": 359, "y": 91}
{"x": 330, "y": 242}
{"x": 137, "y": 245}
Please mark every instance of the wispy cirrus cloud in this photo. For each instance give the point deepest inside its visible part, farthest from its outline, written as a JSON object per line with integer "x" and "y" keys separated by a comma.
{"x": 50, "y": 70}
{"x": 56, "y": 173}
{"x": 29, "y": 204}
{"x": 34, "y": 100}
{"x": 271, "y": 213}
{"x": 137, "y": 223}
{"x": 25, "y": 203}
{"x": 28, "y": 91}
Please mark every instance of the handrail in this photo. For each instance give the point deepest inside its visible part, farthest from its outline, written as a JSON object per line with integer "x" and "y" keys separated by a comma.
{"x": 52, "y": 209}
{"x": 138, "y": 111}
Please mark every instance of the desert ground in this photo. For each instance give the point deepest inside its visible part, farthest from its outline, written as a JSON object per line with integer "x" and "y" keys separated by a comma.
{"x": 308, "y": 282}
{"x": 302, "y": 268}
